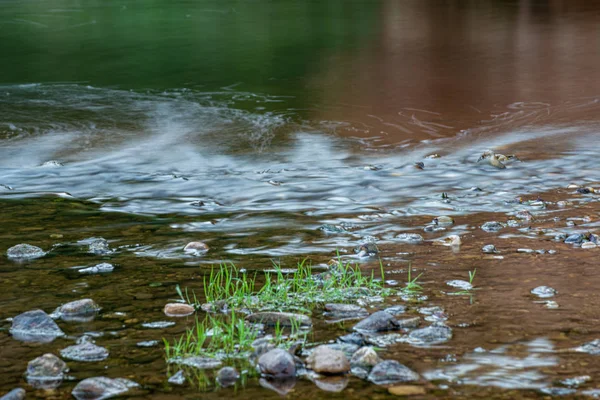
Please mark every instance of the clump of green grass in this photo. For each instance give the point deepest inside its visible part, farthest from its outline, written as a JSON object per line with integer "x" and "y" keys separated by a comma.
{"x": 471, "y": 279}
{"x": 412, "y": 286}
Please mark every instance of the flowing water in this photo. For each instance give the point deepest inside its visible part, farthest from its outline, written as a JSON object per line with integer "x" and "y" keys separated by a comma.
{"x": 250, "y": 125}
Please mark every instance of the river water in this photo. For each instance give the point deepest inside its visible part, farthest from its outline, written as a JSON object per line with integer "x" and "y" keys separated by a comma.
{"x": 249, "y": 125}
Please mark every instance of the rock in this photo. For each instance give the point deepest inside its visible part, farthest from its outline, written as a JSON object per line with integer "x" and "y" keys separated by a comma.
{"x": 332, "y": 229}
{"x": 411, "y": 238}
{"x": 99, "y": 388}
{"x": 52, "y": 164}
{"x": 366, "y": 250}
{"x": 409, "y": 323}
{"x": 325, "y": 360}
{"x": 557, "y": 391}
{"x": 386, "y": 340}
{"x": 198, "y": 362}
{"x": 35, "y": 326}
{"x": 277, "y": 363}
{"x": 492, "y": 226}
{"x": 576, "y": 381}
{"x": 86, "y": 352}
{"x": 592, "y": 347}
{"x": 25, "y": 251}
{"x": 344, "y": 311}
{"x": 283, "y": 318}
{"x": 489, "y": 249}
{"x": 196, "y": 248}
{"x": 15, "y": 394}
{"x": 178, "y": 378}
{"x": 46, "y": 372}
{"x": 365, "y": 358}
{"x": 178, "y": 310}
{"x": 395, "y": 310}
{"x": 543, "y": 291}
{"x": 147, "y": 343}
{"x": 390, "y": 372}
{"x": 280, "y": 386}
{"x": 79, "y": 310}
{"x": 354, "y": 338}
{"x": 526, "y": 251}
{"x": 588, "y": 245}
{"x": 576, "y": 238}
{"x": 158, "y": 324}
{"x": 334, "y": 384}
{"x": 406, "y": 390}
{"x": 460, "y": 284}
{"x": 99, "y": 246}
{"x": 452, "y": 240}
{"x": 98, "y": 269}
{"x": 430, "y": 335}
{"x": 377, "y": 322}
{"x": 227, "y": 376}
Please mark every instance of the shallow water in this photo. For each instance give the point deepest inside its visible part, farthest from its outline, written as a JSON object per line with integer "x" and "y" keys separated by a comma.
{"x": 249, "y": 126}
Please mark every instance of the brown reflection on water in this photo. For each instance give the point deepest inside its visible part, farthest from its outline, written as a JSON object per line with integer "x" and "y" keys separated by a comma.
{"x": 436, "y": 67}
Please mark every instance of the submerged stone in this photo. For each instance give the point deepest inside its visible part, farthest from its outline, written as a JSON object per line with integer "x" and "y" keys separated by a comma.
{"x": 198, "y": 362}
{"x": 411, "y": 238}
{"x": 332, "y": 229}
{"x": 492, "y": 226}
{"x": 395, "y": 310}
{"x": 325, "y": 360}
{"x": 430, "y": 335}
{"x": 99, "y": 388}
{"x": 377, "y": 322}
{"x": 390, "y": 372}
{"x": 277, "y": 363}
{"x": 227, "y": 376}
{"x": 178, "y": 310}
{"x": 15, "y": 394}
{"x": 196, "y": 248}
{"x": 355, "y": 338}
{"x": 158, "y": 324}
{"x": 281, "y": 318}
{"x": 79, "y": 310}
{"x": 25, "y": 252}
{"x": 544, "y": 291}
{"x": 344, "y": 311}
{"x": 101, "y": 268}
{"x": 46, "y": 372}
{"x": 86, "y": 352}
{"x": 35, "y": 326}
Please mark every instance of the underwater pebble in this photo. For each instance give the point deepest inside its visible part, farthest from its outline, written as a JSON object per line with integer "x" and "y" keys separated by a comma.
{"x": 551, "y": 305}
{"x": 35, "y": 326}
{"x": 196, "y": 248}
{"x": 86, "y": 352}
{"x": 543, "y": 291}
{"x": 430, "y": 335}
{"x": 391, "y": 371}
{"x": 25, "y": 252}
{"x": 82, "y": 310}
{"x": 15, "y": 394}
{"x": 98, "y": 246}
{"x": 492, "y": 226}
{"x": 395, "y": 310}
{"x": 99, "y": 388}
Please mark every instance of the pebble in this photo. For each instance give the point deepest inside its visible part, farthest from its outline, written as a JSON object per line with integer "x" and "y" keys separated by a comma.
{"x": 460, "y": 284}
{"x": 99, "y": 246}
{"x": 78, "y": 310}
{"x": 589, "y": 245}
{"x": 46, "y": 372}
{"x": 99, "y": 388}
{"x": 85, "y": 352}
{"x": 178, "y": 378}
{"x": 592, "y": 347}
{"x": 355, "y": 338}
{"x": 543, "y": 291}
{"x": 344, "y": 310}
{"x": 390, "y": 372}
{"x": 15, "y": 394}
{"x": 35, "y": 326}
{"x": 198, "y": 362}
{"x": 98, "y": 269}
{"x": 489, "y": 249}
{"x": 277, "y": 363}
{"x": 25, "y": 252}
{"x": 365, "y": 358}
{"x": 395, "y": 310}
{"x": 147, "y": 343}
{"x": 492, "y": 226}
{"x": 325, "y": 360}
{"x": 196, "y": 248}
{"x": 430, "y": 335}
{"x": 377, "y": 322}
{"x": 158, "y": 324}
{"x": 443, "y": 220}
{"x": 411, "y": 238}
{"x": 178, "y": 310}
{"x": 227, "y": 376}
{"x": 283, "y": 318}
{"x": 333, "y": 384}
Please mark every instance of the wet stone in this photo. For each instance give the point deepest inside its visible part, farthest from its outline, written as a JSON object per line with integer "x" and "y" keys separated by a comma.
{"x": 147, "y": 343}
{"x": 377, "y": 322}
{"x": 326, "y": 360}
{"x": 196, "y": 248}
{"x": 492, "y": 226}
{"x": 353, "y": 338}
{"x": 52, "y": 164}
{"x": 386, "y": 340}
{"x": 576, "y": 238}
{"x": 99, "y": 246}
{"x": 333, "y": 384}
{"x": 178, "y": 378}
{"x": 558, "y": 391}
{"x": 101, "y": 268}
{"x": 489, "y": 249}
{"x": 344, "y": 310}
{"x": 390, "y": 372}
{"x": 365, "y": 358}
{"x": 359, "y": 372}
{"x": 430, "y": 335}
{"x": 411, "y": 238}
{"x": 158, "y": 324}
{"x": 576, "y": 381}
{"x": 85, "y": 352}
{"x": 15, "y": 394}
{"x": 25, "y": 252}
{"x": 99, "y": 388}
{"x": 277, "y": 363}
{"x": 526, "y": 251}
{"x": 35, "y": 326}
{"x": 79, "y": 310}
{"x": 332, "y": 229}
{"x": 443, "y": 220}
{"x": 592, "y": 347}
{"x": 409, "y": 323}
{"x": 430, "y": 310}
{"x": 460, "y": 284}
{"x": 544, "y": 291}
{"x": 198, "y": 362}
{"x": 588, "y": 245}
{"x": 281, "y": 318}
{"x": 366, "y": 250}
{"x": 227, "y": 376}
{"x": 347, "y": 348}
{"x": 395, "y": 310}
{"x": 178, "y": 310}
{"x": 46, "y": 372}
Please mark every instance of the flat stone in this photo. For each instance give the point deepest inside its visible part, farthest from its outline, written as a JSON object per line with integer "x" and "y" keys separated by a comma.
{"x": 460, "y": 284}
{"x": 198, "y": 362}
{"x": 25, "y": 252}
{"x": 101, "y": 268}
{"x": 390, "y": 372}
{"x": 158, "y": 324}
{"x": 178, "y": 310}
{"x": 430, "y": 335}
{"x": 79, "y": 310}
{"x": 147, "y": 343}
{"x": 344, "y": 311}
{"x": 35, "y": 326}
{"x": 178, "y": 378}
{"x": 283, "y": 318}
{"x": 544, "y": 291}
{"x": 325, "y": 360}
{"x": 15, "y": 394}
{"x": 227, "y": 376}
{"x": 395, "y": 310}
{"x": 86, "y": 352}
{"x": 411, "y": 238}
{"x": 377, "y": 322}
{"x": 355, "y": 338}
{"x": 277, "y": 363}
{"x": 592, "y": 347}
{"x": 365, "y": 358}
{"x": 492, "y": 226}
{"x": 489, "y": 249}
{"x": 99, "y": 388}
{"x": 406, "y": 390}
{"x": 196, "y": 248}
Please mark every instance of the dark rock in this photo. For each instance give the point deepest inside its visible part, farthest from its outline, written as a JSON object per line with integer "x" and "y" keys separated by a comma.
{"x": 35, "y": 326}
{"x": 15, "y": 394}
{"x": 355, "y": 338}
{"x": 365, "y": 358}
{"x": 325, "y": 360}
{"x": 99, "y": 388}
{"x": 277, "y": 363}
{"x": 492, "y": 226}
{"x": 86, "y": 352}
{"x": 377, "y": 322}
{"x": 227, "y": 376}
{"x": 46, "y": 372}
{"x": 430, "y": 335}
{"x": 390, "y": 372}
{"x": 281, "y": 318}
{"x": 25, "y": 252}
{"x": 178, "y": 310}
